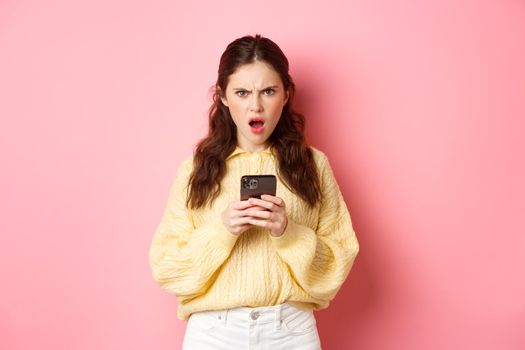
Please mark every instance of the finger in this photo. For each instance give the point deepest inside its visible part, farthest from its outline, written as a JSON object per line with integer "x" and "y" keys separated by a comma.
{"x": 242, "y": 221}
{"x": 260, "y": 223}
{"x": 240, "y": 205}
{"x": 255, "y": 207}
{"x": 234, "y": 214}
{"x": 277, "y": 200}
{"x": 263, "y": 214}
{"x": 262, "y": 203}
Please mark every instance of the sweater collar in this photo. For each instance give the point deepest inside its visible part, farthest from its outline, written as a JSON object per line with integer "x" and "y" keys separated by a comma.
{"x": 268, "y": 151}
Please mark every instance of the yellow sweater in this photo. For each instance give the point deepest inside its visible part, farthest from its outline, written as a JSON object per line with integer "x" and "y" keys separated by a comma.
{"x": 194, "y": 256}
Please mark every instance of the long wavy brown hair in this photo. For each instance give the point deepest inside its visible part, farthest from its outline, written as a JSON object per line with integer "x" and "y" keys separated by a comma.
{"x": 296, "y": 167}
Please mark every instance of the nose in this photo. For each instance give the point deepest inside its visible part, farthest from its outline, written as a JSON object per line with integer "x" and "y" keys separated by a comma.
{"x": 255, "y": 105}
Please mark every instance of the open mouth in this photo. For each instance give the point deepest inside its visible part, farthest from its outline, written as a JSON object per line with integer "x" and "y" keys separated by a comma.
{"x": 256, "y": 123}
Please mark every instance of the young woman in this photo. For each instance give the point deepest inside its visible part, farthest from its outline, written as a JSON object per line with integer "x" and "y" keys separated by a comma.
{"x": 249, "y": 274}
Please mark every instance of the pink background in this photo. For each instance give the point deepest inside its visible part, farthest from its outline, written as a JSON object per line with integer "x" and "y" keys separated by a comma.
{"x": 419, "y": 105}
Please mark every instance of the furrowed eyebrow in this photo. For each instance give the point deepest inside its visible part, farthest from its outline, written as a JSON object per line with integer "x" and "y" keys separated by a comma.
{"x": 268, "y": 87}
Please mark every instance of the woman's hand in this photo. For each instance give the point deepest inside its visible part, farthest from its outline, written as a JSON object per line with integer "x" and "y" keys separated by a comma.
{"x": 268, "y": 212}
{"x": 235, "y": 218}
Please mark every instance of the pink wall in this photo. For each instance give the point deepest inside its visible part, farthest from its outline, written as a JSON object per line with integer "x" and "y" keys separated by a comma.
{"x": 420, "y": 106}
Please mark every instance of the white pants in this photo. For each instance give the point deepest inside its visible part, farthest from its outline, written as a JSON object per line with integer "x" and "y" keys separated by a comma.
{"x": 273, "y": 327}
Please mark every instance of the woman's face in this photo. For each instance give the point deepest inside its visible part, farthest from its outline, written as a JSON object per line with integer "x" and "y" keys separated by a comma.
{"x": 255, "y": 96}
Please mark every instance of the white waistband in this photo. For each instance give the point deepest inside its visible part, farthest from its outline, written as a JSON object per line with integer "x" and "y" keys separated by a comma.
{"x": 259, "y": 315}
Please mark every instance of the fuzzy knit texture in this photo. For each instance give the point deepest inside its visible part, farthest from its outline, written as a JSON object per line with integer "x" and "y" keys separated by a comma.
{"x": 194, "y": 256}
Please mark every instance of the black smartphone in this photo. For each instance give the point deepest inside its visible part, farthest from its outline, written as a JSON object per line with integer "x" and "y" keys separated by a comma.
{"x": 257, "y": 185}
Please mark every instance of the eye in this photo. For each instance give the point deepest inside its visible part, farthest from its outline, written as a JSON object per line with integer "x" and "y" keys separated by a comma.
{"x": 269, "y": 91}
{"x": 241, "y": 93}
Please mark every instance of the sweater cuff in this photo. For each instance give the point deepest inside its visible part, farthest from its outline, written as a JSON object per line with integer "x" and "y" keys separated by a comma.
{"x": 223, "y": 236}
{"x": 293, "y": 234}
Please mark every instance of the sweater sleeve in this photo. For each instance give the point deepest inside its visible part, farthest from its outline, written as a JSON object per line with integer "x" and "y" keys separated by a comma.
{"x": 184, "y": 259}
{"x": 319, "y": 260}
